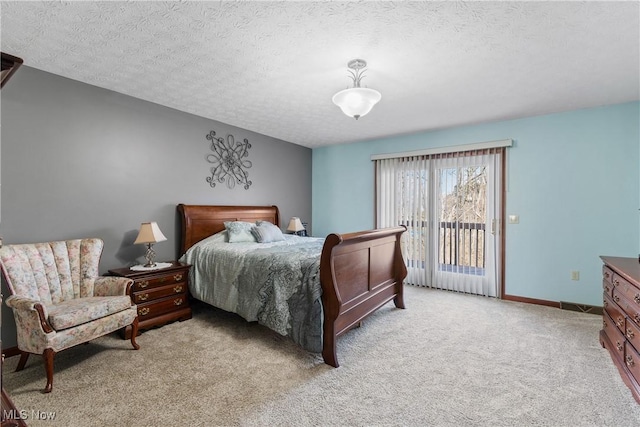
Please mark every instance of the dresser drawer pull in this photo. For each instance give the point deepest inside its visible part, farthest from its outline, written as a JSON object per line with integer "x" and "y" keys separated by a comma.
{"x": 604, "y": 323}
{"x": 606, "y": 274}
{"x": 177, "y": 289}
{"x": 177, "y": 277}
{"x": 636, "y": 317}
{"x": 630, "y": 361}
{"x": 637, "y": 298}
{"x": 619, "y": 346}
{"x": 606, "y": 288}
{"x": 630, "y": 333}
{"x": 143, "y": 297}
{"x": 615, "y": 282}
{"x": 177, "y": 301}
{"x": 620, "y": 322}
{"x": 144, "y": 284}
{"x": 616, "y": 298}
{"x": 144, "y": 311}
{"x": 606, "y": 304}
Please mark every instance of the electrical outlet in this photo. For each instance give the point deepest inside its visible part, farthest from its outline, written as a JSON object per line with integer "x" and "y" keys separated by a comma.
{"x": 575, "y": 275}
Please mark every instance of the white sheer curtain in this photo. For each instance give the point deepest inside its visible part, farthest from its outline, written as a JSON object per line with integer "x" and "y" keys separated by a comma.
{"x": 451, "y": 204}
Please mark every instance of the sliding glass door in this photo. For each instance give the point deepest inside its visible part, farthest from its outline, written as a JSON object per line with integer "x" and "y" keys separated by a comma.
{"x": 451, "y": 204}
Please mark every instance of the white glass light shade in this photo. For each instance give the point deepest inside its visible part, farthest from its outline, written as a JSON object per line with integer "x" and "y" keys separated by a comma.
{"x": 149, "y": 233}
{"x": 295, "y": 225}
{"x": 356, "y": 101}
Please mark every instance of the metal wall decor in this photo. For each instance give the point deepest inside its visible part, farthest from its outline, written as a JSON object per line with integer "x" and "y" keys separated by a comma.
{"x": 228, "y": 161}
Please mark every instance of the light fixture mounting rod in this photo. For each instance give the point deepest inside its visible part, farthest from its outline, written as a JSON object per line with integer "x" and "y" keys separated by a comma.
{"x": 358, "y": 65}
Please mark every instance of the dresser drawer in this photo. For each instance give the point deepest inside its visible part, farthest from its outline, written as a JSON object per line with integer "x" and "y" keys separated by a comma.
{"x": 146, "y": 295}
{"x": 162, "y": 306}
{"x": 630, "y": 309}
{"x": 607, "y": 280}
{"x": 627, "y": 289}
{"x": 614, "y": 312}
{"x": 161, "y": 280}
{"x": 615, "y": 336}
{"x": 632, "y": 360}
{"x": 632, "y": 333}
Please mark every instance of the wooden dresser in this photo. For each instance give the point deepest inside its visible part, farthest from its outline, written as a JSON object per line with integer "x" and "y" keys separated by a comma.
{"x": 162, "y": 295}
{"x": 621, "y": 319}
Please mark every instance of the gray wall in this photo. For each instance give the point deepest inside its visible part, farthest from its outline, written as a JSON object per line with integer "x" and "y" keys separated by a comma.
{"x": 80, "y": 161}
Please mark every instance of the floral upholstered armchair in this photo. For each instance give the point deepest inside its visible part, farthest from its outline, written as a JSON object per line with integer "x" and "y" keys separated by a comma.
{"x": 58, "y": 299}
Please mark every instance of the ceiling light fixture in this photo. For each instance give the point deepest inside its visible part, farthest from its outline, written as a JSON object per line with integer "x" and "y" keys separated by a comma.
{"x": 356, "y": 101}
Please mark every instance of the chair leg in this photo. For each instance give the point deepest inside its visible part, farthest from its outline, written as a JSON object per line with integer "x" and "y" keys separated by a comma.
{"x": 23, "y": 360}
{"x": 48, "y": 366}
{"x": 134, "y": 333}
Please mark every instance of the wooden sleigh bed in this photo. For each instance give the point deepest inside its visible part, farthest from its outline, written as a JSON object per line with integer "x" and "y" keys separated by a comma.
{"x": 359, "y": 272}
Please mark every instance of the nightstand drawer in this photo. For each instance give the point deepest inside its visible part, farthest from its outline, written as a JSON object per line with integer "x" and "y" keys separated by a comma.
{"x": 162, "y": 295}
{"x": 162, "y": 306}
{"x": 163, "y": 280}
{"x": 141, "y": 297}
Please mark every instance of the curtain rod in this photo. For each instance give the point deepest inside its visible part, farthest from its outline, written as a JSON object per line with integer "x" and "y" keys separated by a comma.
{"x": 442, "y": 150}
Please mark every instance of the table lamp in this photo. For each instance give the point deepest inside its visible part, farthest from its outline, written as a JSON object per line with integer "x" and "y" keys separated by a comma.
{"x": 149, "y": 234}
{"x": 295, "y": 225}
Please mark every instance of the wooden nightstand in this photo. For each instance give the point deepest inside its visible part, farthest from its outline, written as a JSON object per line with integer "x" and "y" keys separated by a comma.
{"x": 162, "y": 296}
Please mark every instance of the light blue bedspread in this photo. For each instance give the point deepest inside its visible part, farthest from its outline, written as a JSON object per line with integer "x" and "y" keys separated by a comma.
{"x": 276, "y": 284}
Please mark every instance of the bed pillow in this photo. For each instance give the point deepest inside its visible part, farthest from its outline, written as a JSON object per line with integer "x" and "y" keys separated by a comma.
{"x": 239, "y": 231}
{"x": 265, "y": 232}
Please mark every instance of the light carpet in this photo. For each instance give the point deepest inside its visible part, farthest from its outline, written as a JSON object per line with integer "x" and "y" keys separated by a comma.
{"x": 447, "y": 360}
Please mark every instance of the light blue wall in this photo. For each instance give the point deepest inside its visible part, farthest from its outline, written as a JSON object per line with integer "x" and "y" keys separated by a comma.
{"x": 573, "y": 178}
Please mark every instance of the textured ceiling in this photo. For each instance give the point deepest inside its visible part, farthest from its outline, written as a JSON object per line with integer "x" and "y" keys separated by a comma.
{"x": 272, "y": 67}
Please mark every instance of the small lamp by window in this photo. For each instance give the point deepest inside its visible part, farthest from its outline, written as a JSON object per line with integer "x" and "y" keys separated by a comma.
{"x": 295, "y": 225}
{"x": 149, "y": 234}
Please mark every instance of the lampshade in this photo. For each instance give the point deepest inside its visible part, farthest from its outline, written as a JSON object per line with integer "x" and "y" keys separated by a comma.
{"x": 149, "y": 233}
{"x": 356, "y": 101}
{"x": 295, "y": 225}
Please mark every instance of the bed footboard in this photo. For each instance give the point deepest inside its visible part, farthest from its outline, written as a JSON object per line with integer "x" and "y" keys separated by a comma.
{"x": 359, "y": 273}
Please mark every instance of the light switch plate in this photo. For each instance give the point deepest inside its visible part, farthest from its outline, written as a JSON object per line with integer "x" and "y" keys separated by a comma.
{"x": 514, "y": 219}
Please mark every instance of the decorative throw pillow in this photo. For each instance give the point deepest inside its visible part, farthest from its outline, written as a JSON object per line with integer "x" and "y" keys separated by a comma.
{"x": 239, "y": 231}
{"x": 265, "y": 232}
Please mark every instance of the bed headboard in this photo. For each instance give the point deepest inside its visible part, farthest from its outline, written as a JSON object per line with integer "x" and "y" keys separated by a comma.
{"x": 201, "y": 221}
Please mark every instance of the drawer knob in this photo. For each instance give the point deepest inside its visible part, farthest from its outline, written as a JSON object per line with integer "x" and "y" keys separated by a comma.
{"x": 604, "y": 323}
{"x": 606, "y": 304}
{"x": 143, "y": 297}
{"x": 606, "y": 274}
{"x": 637, "y": 298}
{"x": 177, "y": 301}
{"x": 636, "y": 317}
{"x": 615, "y": 282}
{"x": 177, "y": 289}
{"x": 620, "y": 322}
{"x": 144, "y": 311}
{"x": 177, "y": 277}
{"x": 143, "y": 284}
{"x": 630, "y": 333}
{"x": 606, "y": 288}
{"x": 629, "y": 360}
{"x": 616, "y": 298}
{"x": 619, "y": 346}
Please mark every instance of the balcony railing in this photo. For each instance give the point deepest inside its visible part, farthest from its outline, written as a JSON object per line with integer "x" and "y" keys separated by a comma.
{"x": 461, "y": 245}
